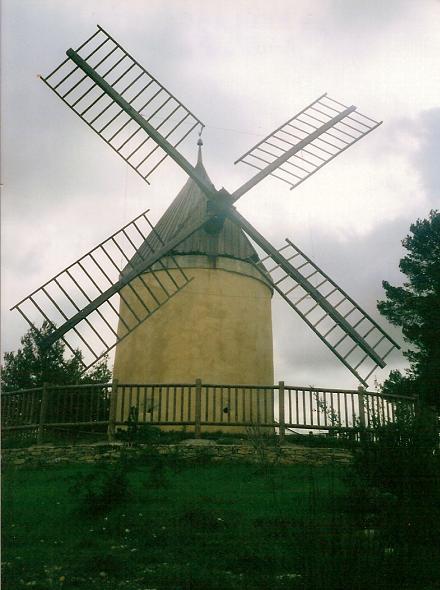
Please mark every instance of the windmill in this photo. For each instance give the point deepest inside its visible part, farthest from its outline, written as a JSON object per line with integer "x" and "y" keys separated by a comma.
{"x": 162, "y": 270}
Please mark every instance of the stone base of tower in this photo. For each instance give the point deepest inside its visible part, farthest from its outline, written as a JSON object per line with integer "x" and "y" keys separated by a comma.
{"x": 217, "y": 329}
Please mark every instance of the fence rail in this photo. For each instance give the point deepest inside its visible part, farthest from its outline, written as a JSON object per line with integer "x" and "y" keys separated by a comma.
{"x": 201, "y": 406}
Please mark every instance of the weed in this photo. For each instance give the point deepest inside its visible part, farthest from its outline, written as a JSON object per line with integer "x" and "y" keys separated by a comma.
{"x": 158, "y": 476}
{"x": 19, "y": 440}
{"x": 140, "y": 434}
{"x": 266, "y": 445}
{"x": 101, "y": 490}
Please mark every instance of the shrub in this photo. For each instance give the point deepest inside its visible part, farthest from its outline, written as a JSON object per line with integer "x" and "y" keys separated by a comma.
{"x": 102, "y": 489}
{"x": 396, "y": 478}
{"x": 139, "y": 434}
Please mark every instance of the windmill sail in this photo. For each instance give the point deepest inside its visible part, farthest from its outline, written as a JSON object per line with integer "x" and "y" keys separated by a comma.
{"x": 141, "y": 91}
{"x": 84, "y": 297}
{"x": 350, "y": 333}
{"x": 306, "y": 142}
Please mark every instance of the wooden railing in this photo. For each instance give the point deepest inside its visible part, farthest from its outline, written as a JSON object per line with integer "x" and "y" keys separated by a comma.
{"x": 53, "y": 406}
{"x": 200, "y": 406}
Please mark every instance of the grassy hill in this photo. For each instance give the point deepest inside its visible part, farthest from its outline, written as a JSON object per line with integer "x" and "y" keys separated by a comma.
{"x": 166, "y": 524}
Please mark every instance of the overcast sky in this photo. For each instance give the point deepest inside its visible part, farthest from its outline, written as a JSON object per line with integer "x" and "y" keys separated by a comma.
{"x": 243, "y": 67}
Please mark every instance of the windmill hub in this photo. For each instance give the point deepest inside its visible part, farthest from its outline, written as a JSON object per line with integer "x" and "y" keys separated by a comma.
{"x": 217, "y": 217}
{"x": 215, "y": 225}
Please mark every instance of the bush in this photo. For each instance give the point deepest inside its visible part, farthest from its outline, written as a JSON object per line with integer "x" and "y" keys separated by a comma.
{"x": 101, "y": 490}
{"x": 340, "y": 440}
{"x": 139, "y": 434}
{"x": 19, "y": 440}
{"x": 396, "y": 479}
{"x": 158, "y": 477}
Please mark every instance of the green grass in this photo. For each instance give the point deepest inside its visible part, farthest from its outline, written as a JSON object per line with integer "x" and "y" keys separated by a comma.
{"x": 188, "y": 526}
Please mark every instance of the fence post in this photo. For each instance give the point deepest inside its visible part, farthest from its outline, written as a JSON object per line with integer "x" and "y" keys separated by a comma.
{"x": 362, "y": 421}
{"x": 198, "y": 408}
{"x": 43, "y": 412}
{"x": 112, "y": 412}
{"x": 281, "y": 419}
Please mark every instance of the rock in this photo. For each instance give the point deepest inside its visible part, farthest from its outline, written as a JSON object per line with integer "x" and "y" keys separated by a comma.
{"x": 197, "y": 442}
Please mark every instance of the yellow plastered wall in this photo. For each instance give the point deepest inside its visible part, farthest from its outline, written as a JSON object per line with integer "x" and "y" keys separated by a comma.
{"x": 218, "y": 328}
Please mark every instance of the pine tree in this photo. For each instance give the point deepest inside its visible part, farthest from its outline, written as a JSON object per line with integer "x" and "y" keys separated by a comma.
{"x": 415, "y": 308}
{"x": 33, "y": 364}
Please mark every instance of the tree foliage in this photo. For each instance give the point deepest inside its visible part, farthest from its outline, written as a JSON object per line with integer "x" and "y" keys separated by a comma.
{"x": 33, "y": 364}
{"x": 415, "y": 308}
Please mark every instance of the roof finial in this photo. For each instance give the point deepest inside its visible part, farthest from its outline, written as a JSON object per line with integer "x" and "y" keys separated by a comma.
{"x": 200, "y": 143}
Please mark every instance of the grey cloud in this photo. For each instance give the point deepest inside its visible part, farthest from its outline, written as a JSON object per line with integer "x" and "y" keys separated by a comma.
{"x": 370, "y": 17}
{"x": 427, "y": 156}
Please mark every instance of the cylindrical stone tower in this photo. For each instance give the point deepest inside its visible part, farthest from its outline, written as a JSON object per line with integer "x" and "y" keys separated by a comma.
{"x": 219, "y": 327}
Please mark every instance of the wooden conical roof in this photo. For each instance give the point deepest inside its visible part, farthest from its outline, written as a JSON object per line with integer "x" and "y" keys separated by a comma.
{"x": 190, "y": 204}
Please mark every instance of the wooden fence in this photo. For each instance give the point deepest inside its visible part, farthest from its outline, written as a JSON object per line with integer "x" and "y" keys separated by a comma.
{"x": 202, "y": 407}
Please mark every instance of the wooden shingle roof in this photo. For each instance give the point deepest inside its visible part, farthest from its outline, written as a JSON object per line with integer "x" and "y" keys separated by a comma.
{"x": 189, "y": 205}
